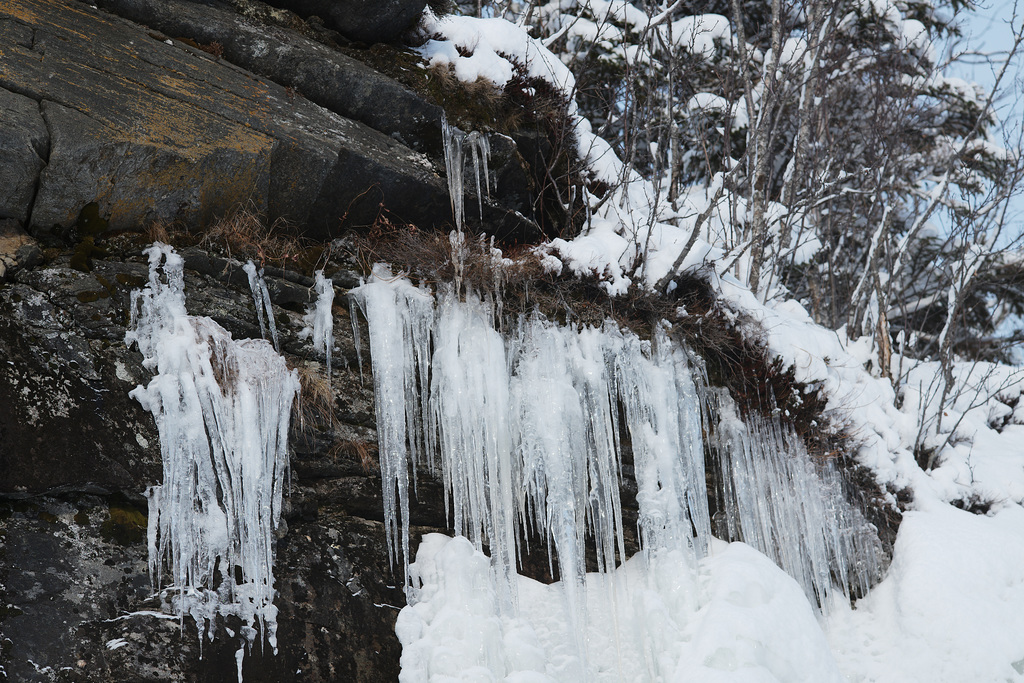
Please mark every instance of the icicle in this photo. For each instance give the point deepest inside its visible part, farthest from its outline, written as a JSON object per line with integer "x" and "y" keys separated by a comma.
{"x": 662, "y": 415}
{"x": 319, "y": 319}
{"x": 777, "y": 500}
{"x": 551, "y": 440}
{"x": 469, "y": 370}
{"x": 524, "y": 428}
{"x": 481, "y": 150}
{"x": 457, "y": 240}
{"x": 257, "y": 296}
{"x": 399, "y": 318}
{"x": 455, "y": 144}
{"x": 454, "y": 166}
{"x": 356, "y": 339}
{"x": 222, "y": 409}
{"x": 261, "y": 297}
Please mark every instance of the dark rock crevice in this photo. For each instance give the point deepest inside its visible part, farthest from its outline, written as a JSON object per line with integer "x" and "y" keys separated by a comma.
{"x": 24, "y": 141}
{"x": 43, "y": 150}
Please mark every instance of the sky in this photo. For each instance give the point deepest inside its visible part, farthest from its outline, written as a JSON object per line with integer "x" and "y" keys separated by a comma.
{"x": 988, "y": 30}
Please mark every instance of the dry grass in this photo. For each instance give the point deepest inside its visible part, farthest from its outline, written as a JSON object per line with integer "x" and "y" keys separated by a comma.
{"x": 357, "y": 449}
{"x": 159, "y": 230}
{"x": 428, "y": 257}
{"x": 474, "y": 104}
{"x": 314, "y": 406}
{"x": 244, "y": 233}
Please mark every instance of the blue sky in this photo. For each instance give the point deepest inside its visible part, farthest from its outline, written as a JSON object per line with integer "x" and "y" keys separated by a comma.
{"x": 988, "y": 30}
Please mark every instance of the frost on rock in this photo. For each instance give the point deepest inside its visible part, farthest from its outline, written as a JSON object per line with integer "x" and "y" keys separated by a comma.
{"x": 261, "y": 297}
{"x": 222, "y": 409}
{"x": 319, "y": 318}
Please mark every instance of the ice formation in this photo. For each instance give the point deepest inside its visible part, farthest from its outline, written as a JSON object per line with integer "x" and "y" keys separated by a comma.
{"x": 319, "y": 318}
{"x": 261, "y": 297}
{"x": 536, "y": 428}
{"x": 222, "y": 408}
{"x": 455, "y": 145}
{"x": 792, "y": 509}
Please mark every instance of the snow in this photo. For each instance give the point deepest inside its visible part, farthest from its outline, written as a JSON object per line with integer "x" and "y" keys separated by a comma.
{"x": 950, "y": 605}
{"x": 222, "y": 409}
{"x": 706, "y": 101}
{"x": 116, "y": 643}
{"x": 737, "y": 618}
{"x": 951, "y": 608}
{"x": 794, "y": 52}
{"x": 490, "y": 43}
{"x": 698, "y": 33}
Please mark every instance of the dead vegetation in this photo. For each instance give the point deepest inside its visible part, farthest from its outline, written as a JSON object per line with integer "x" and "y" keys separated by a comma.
{"x": 245, "y": 233}
{"x": 473, "y": 103}
{"x": 314, "y": 410}
{"x": 732, "y": 349}
{"x": 363, "y": 451}
{"x": 314, "y": 405}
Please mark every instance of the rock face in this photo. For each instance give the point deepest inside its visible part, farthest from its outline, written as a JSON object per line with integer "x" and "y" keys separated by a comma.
{"x": 76, "y": 454}
{"x": 368, "y": 21}
{"x": 325, "y": 76}
{"x": 163, "y": 135}
{"x": 23, "y": 150}
{"x": 153, "y": 129}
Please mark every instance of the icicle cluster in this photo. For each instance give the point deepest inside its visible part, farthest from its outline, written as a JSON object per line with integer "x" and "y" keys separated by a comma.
{"x": 222, "y": 409}
{"x": 455, "y": 145}
{"x": 319, "y": 318}
{"x": 790, "y": 508}
{"x": 261, "y": 297}
{"x": 523, "y": 429}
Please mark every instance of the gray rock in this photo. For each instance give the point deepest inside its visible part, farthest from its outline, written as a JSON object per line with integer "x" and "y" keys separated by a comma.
{"x": 314, "y": 71}
{"x": 23, "y": 149}
{"x": 367, "y": 21}
{"x": 151, "y": 131}
{"x": 349, "y": 88}
{"x": 76, "y": 453}
{"x": 67, "y": 418}
{"x": 139, "y": 179}
{"x": 77, "y": 600}
{"x": 17, "y": 249}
